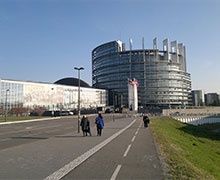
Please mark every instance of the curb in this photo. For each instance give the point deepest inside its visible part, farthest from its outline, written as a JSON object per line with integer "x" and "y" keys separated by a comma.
{"x": 26, "y": 121}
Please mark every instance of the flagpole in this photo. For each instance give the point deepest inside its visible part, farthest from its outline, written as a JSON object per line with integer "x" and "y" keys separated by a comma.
{"x": 130, "y": 45}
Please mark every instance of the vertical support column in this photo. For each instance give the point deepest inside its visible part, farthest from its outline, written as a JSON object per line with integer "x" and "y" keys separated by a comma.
{"x": 133, "y": 94}
{"x": 182, "y": 57}
{"x": 167, "y": 49}
{"x": 174, "y": 51}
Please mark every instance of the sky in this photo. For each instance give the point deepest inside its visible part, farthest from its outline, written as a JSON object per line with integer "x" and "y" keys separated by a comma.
{"x": 43, "y": 40}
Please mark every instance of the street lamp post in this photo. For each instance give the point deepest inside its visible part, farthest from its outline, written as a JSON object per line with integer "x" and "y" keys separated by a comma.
{"x": 6, "y": 104}
{"x": 52, "y": 112}
{"x": 78, "y": 69}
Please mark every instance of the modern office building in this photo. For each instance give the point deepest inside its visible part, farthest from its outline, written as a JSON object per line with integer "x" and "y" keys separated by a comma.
{"x": 162, "y": 74}
{"x": 62, "y": 95}
{"x": 212, "y": 99}
{"x": 197, "y": 98}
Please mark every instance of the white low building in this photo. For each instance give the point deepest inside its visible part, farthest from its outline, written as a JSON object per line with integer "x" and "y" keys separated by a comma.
{"x": 28, "y": 94}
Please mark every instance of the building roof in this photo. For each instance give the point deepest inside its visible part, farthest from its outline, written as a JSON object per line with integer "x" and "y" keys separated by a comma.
{"x": 72, "y": 82}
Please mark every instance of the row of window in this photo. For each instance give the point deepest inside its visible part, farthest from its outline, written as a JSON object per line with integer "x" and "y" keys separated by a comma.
{"x": 14, "y": 94}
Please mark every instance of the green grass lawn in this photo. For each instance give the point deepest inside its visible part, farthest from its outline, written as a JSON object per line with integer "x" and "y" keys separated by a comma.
{"x": 18, "y": 118}
{"x": 191, "y": 152}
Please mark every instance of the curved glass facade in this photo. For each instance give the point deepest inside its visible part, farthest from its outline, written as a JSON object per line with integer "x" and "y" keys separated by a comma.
{"x": 163, "y": 80}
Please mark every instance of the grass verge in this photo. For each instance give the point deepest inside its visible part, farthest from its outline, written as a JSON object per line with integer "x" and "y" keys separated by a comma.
{"x": 191, "y": 152}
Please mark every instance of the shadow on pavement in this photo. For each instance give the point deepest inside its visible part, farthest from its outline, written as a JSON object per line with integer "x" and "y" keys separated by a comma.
{"x": 74, "y": 136}
{"x": 29, "y": 137}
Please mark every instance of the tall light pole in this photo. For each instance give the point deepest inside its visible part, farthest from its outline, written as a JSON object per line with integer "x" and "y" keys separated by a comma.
{"x": 6, "y": 104}
{"x": 78, "y": 69}
{"x": 52, "y": 112}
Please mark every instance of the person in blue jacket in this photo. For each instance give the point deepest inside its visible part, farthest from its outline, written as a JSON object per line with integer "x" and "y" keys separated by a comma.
{"x": 99, "y": 121}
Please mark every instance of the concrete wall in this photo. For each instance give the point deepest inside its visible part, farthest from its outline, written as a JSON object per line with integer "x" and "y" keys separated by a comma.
{"x": 197, "y": 116}
{"x": 204, "y": 111}
{"x": 198, "y": 120}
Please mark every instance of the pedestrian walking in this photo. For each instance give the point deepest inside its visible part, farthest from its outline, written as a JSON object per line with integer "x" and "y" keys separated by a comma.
{"x": 99, "y": 121}
{"x": 84, "y": 125}
{"x": 146, "y": 120}
{"x": 88, "y": 128}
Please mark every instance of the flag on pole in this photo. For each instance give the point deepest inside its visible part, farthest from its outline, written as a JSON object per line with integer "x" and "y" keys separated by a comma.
{"x": 133, "y": 82}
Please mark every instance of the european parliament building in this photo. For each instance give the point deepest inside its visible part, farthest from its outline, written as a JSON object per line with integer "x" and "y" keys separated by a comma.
{"x": 61, "y": 95}
{"x": 162, "y": 74}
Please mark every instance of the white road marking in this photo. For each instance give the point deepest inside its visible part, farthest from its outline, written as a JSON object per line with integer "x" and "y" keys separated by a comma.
{"x": 6, "y": 139}
{"x": 133, "y": 139}
{"x": 136, "y": 132}
{"x": 114, "y": 175}
{"x": 126, "y": 152}
{"x": 76, "y": 162}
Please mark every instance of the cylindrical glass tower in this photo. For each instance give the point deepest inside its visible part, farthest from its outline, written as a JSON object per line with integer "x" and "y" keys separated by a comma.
{"x": 162, "y": 76}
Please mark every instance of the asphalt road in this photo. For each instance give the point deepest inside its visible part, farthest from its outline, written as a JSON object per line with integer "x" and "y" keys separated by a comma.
{"x": 12, "y": 135}
{"x": 38, "y": 150}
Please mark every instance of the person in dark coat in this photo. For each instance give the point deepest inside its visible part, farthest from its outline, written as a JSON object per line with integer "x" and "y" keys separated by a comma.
{"x": 146, "y": 120}
{"x": 99, "y": 121}
{"x": 88, "y": 128}
{"x": 84, "y": 125}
